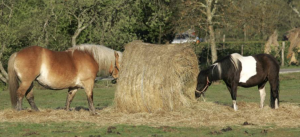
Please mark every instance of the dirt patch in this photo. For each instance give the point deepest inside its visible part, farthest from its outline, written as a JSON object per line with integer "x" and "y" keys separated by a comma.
{"x": 201, "y": 114}
{"x": 221, "y": 131}
{"x": 168, "y": 129}
{"x": 247, "y": 123}
{"x": 31, "y": 133}
{"x": 112, "y": 130}
{"x": 264, "y": 131}
{"x": 226, "y": 129}
{"x": 248, "y": 134}
{"x": 61, "y": 131}
{"x": 215, "y": 132}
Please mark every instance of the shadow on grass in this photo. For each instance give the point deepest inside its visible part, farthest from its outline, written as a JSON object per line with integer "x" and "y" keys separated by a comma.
{"x": 223, "y": 104}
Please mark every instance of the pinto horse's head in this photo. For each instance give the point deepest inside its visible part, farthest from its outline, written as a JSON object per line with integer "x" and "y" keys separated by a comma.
{"x": 202, "y": 83}
{"x": 114, "y": 69}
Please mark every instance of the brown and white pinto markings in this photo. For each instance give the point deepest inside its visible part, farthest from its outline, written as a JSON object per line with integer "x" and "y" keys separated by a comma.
{"x": 236, "y": 70}
{"x": 72, "y": 69}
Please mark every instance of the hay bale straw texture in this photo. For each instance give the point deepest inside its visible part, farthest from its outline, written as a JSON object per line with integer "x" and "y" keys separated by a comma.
{"x": 156, "y": 77}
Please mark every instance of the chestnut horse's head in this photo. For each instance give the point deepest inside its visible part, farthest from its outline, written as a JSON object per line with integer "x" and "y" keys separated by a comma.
{"x": 114, "y": 69}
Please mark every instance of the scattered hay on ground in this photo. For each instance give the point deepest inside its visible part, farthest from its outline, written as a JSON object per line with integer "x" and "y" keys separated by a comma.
{"x": 156, "y": 77}
{"x": 201, "y": 114}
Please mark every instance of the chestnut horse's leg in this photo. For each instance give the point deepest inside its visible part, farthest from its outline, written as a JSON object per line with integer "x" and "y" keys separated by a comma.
{"x": 30, "y": 98}
{"x": 71, "y": 95}
{"x": 88, "y": 87}
{"x": 24, "y": 86}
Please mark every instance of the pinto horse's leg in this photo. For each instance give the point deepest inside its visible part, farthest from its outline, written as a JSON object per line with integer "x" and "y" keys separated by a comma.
{"x": 24, "y": 86}
{"x": 233, "y": 96}
{"x": 71, "y": 95}
{"x": 88, "y": 87}
{"x": 30, "y": 98}
{"x": 262, "y": 92}
{"x": 233, "y": 92}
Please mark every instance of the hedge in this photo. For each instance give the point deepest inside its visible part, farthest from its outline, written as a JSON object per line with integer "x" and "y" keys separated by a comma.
{"x": 203, "y": 52}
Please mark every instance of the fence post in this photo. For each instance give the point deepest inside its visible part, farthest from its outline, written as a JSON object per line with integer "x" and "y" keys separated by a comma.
{"x": 223, "y": 41}
{"x": 242, "y": 50}
{"x": 282, "y": 53}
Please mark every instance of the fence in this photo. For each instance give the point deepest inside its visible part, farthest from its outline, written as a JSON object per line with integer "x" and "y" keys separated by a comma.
{"x": 244, "y": 48}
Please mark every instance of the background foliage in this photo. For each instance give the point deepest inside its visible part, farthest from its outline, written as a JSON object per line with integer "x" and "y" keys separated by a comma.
{"x": 59, "y": 24}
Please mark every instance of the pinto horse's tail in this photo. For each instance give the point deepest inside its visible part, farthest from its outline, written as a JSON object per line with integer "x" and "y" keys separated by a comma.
{"x": 275, "y": 94}
{"x": 13, "y": 83}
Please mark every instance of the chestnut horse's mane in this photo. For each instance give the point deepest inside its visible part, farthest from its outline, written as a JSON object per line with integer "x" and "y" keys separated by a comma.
{"x": 104, "y": 56}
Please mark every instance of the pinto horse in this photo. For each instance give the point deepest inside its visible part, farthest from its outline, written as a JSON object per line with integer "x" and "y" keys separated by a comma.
{"x": 236, "y": 70}
{"x": 74, "y": 68}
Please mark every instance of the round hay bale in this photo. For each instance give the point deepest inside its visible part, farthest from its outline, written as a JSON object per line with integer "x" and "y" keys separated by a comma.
{"x": 156, "y": 77}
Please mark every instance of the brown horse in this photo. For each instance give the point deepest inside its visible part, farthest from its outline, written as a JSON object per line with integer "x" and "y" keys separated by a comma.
{"x": 72, "y": 69}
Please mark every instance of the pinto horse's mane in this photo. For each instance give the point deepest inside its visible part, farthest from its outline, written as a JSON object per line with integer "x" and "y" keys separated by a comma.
{"x": 234, "y": 59}
{"x": 103, "y": 55}
{"x": 227, "y": 64}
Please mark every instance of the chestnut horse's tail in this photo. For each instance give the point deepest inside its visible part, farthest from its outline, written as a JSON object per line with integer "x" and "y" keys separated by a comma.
{"x": 13, "y": 82}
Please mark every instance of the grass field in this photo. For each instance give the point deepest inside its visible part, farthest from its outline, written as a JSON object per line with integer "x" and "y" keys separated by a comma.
{"x": 214, "y": 117}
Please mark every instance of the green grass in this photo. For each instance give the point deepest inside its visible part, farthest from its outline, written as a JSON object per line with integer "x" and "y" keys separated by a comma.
{"x": 289, "y": 66}
{"x": 289, "y": 91}
{"x": 92, "y": 130}
{"x": 103, "y": 97}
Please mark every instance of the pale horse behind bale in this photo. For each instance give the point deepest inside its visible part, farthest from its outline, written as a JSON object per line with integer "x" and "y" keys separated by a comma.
{"x": 245, "y": 71}
{"x": 74, "y": 68}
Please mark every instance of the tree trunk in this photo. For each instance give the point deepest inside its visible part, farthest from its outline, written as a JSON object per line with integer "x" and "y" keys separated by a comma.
{"x": 80, "y": 27}
{"x": 78, "y": 31}
{"x": 3, "y": 74}
{"x": 245, "y": 33}
{"x": 209, "y": 15}
{"x": 74, "y": 37}
{"x": 214, "y": 56}
{"x": 159, "y": 37}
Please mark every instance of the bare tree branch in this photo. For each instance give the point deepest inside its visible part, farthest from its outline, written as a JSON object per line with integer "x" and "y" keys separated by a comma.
{"x": 80, "y": 27}
{"x": 203, "y": 5}
{"x": 295, "y": 10}
{"x": 203, "y": 12}
{"x": 10, "y": 10}
{"x": 215, "y": 8}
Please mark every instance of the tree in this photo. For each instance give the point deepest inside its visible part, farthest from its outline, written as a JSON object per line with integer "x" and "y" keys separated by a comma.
{"x": 202, "y": 14}
{"x": 84, "y": 14}
{"x": 114, "y": 24}
{"x": 254, "y": 20}
{"x": 23, "y": 23}
{"x": 6, "y": 15}
{"x": 154, "y": 23}
{"x": 211, "y": 7}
